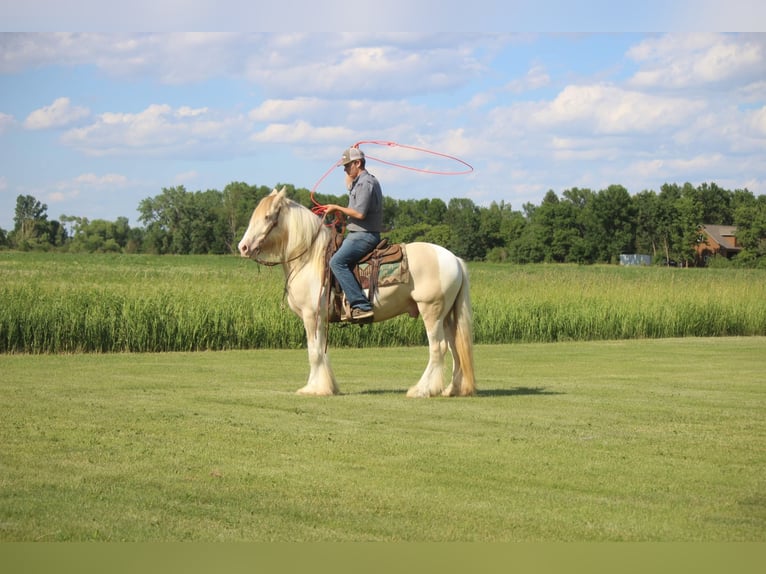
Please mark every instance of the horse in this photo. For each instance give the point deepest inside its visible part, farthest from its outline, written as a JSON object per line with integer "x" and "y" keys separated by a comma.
{"x": 284, "y": 232}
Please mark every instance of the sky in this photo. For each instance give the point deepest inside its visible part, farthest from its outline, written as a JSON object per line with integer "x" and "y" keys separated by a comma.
{"x": 91, "y": 123}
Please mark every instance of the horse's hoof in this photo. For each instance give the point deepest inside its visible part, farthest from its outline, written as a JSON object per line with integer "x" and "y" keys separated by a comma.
{"x": 309, "y": 392}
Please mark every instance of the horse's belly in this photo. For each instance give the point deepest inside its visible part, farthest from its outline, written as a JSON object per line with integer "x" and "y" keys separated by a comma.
{"x": 395, "y": 300}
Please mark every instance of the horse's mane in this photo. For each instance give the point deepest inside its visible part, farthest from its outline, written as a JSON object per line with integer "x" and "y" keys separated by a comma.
{"x": 305, "y": 230}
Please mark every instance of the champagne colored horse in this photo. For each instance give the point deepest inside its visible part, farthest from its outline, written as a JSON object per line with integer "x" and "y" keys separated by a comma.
{"x": 283, "y": 231}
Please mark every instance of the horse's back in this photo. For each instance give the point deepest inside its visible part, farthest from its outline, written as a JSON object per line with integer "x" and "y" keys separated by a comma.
{"x": 436, "y": 271}
{"x": 431, "y": 259}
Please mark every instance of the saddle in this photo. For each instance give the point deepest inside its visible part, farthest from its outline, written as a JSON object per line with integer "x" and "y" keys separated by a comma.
{"x": 385, "y": 265}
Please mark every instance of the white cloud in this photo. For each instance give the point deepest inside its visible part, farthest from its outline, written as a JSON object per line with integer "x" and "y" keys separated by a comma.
{"x": 185, "y": 177}
{"x": 584, "y": 111}
{"x": 6, "y": 121}
{"x": 58, "y": 115}
{"x": 110, "y": 179}
{"x": 534, "y": 79}
{"x": 62, "y": 196}
{"x": 757, "y": 120}
{"x": 301, "y": 132}
{"x": 374, "y": 71}
{"x": 282, "y": 65}
{"x": 171, "y": 58}
{"x": 275, "y": 110}
{"x": 606, "y": 109}
{"x": 671, "y": 168}
{"x": 70, "y": 189}
{"x": 187, "y": 112}
{"x": 695, "y": 60}
{"x": 158, "y": 129}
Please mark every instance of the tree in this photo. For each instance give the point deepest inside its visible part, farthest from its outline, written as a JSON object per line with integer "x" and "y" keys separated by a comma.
{"x": 235, "y": 202}
{"x": 463, "y": 219}
{"x": 30, "y": 219}
{"x": 582, "y": 247}
{"x": 167, "y": 218}
{"x": 647, "y": 210}
{"x": 612, "y": 223}
{"x": 534, "y": 243}
{"x": 715, "y": 203}
{"x": 501, "y": 226}
{"x": 99, "y": 235}
{"x": 32, "y": 230}
{"x": 555, "y": 231}
{"x": 751, "y": 228}
{"x": 689, "y": 217}
{"x": 667, "y": 228}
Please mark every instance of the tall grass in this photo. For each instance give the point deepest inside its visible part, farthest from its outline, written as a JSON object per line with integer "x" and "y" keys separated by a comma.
{"x": 57, "y": 303}
{"x": 546, "y": 303}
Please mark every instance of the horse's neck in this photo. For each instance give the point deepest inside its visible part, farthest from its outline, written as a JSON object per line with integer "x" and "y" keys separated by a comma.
{"x": 310, "y": 265}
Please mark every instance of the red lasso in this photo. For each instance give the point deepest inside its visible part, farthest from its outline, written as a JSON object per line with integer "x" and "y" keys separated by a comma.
{"x": 320, "y": 209}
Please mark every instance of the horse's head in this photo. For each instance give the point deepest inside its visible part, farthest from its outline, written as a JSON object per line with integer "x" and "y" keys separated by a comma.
{"x": 263, "y": 235}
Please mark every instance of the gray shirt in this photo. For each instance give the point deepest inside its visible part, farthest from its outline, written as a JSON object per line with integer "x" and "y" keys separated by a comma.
{"x": 366, "y": 197}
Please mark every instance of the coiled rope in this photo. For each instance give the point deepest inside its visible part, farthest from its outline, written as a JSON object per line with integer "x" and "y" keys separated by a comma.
{"x": 319, "y": 209}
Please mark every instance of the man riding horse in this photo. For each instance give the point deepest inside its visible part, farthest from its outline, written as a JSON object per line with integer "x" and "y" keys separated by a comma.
{"x": 365, "y": 222}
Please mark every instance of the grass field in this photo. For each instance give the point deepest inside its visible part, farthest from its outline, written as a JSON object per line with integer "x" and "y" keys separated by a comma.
{"x": 56, "y": 303}
{"x": 647, "y": 440}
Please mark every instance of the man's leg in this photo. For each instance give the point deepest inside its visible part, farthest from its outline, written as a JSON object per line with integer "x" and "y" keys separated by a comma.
{"x": 355, "y": 246}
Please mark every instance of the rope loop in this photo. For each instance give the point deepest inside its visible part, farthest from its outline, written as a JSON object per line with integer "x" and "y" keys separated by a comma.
{"x": 319, "y": 209}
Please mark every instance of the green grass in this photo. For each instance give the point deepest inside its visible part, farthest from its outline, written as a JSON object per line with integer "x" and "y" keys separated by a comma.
{"x": 650, "y": 440}
{"x": 55, "y": 303}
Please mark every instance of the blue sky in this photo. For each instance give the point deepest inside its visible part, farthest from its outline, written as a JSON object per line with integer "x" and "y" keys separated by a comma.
{"x": 91, "y": 123}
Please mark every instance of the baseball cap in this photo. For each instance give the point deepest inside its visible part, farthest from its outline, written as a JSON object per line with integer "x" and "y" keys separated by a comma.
{"x": 351, "y": 154}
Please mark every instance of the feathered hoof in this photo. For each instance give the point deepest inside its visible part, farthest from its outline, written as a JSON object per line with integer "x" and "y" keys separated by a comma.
{"x": 450, "y": 391}
{"x": 308, "y": 391}
{"x": 416, "y": 393}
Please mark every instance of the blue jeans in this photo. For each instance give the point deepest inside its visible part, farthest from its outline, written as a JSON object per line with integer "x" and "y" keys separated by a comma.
{"x": 356, "y": 245}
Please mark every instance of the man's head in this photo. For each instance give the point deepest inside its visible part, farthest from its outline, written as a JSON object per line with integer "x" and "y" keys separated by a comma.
{"x": 352, "y": 158}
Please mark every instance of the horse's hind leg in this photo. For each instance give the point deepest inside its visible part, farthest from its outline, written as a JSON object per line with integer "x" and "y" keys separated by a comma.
{"x": 453, "y": 389}
{"x": 431, "y": 382}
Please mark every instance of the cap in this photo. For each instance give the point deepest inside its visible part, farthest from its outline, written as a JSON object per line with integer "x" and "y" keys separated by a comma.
{"x": 351, "y": 154}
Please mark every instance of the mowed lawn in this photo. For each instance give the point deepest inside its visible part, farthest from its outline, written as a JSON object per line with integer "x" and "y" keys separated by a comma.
{"x": 640, "y": 440}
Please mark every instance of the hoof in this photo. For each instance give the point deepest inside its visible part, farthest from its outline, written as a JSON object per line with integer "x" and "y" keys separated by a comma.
{"x": 416, "y": 393}
{"x": 313, "y": 392}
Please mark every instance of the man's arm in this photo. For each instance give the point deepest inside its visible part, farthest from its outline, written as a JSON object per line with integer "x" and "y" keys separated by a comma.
{"x": 347, "y": 211}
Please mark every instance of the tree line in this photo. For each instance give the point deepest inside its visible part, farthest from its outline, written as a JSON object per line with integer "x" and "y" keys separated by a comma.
{"x": 579, "y": 226}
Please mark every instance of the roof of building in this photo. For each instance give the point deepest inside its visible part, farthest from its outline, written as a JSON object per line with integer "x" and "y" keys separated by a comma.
{"x": 724, "y": 235}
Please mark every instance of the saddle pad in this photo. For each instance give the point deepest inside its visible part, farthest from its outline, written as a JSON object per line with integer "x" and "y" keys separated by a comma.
{"x": 389, "y": 273}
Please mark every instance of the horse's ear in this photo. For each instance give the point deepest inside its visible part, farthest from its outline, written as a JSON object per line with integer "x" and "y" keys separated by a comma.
{"x": 281, "y": 194}
{"x": 274, "y": 191}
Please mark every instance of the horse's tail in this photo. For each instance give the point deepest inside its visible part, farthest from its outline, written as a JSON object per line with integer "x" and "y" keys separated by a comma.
{"x": 463, "y": 322}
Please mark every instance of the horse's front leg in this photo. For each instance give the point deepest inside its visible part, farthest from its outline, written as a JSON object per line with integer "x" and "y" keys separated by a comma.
{"x": 321, "y": 378}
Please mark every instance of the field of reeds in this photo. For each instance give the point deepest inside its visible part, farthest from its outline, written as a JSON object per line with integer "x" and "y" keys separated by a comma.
{"x": 65, "y": 303}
